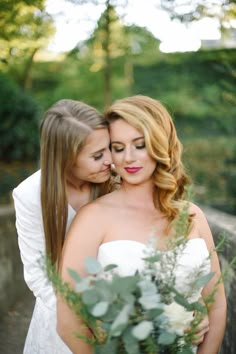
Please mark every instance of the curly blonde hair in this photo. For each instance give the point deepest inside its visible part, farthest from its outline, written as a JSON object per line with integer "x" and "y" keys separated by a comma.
{"x": 151, "y": 117}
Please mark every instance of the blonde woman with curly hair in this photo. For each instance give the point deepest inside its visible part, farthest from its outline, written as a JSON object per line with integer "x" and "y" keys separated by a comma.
{"x": 116, "y": 228}
{"x": 75, "y": 164}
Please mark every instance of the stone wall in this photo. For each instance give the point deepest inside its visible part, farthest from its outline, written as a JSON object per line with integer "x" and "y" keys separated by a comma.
{"x": 223, "y": 224}
{"x": 12, "y": 285}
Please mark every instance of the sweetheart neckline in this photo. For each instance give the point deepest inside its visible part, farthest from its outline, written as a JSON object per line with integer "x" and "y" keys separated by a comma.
{"x": 145, "y": 244}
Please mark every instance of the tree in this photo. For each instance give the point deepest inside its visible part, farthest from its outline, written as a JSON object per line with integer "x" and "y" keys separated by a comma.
{"x": 19, "y": 116}
{"x": 111, "y": 41}
{"x": 25, "y": 27}
{"x": 105, "y": 34}
{"x": 194, "y": 10}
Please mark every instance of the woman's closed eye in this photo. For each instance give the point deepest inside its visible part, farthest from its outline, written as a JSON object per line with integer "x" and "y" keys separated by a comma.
{"x": 98, "y": 156}
{"x": 141, "y": 146}
{"x": 117, "y": 149}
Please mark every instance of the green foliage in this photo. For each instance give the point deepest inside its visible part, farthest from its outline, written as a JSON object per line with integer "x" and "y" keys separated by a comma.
{"x": 24, "y": 28}
{"x": 224, "y": 11}
{"x": 211, "y": 164}
{"x": 11, "y": 174}
{"x": 198, "y": 88}
{"x": 18, "y": 123}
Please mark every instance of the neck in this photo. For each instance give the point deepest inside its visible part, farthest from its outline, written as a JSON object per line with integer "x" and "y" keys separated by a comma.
{"x": 78, "y": 194}
{"x": 80, "y": 186}
{"x": 138, "y": 195}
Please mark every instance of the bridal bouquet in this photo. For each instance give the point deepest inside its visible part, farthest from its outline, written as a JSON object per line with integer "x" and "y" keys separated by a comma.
{"x": 142, "y": 313}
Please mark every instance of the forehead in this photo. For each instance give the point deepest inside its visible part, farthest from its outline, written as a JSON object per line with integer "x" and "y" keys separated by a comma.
{"x": 97, "y": 140}
{"x": 121, "y": 130}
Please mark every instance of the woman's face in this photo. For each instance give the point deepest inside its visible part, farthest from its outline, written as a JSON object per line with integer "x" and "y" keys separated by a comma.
{"x": 94, "y": 160}
{"x": 129, "y": 154}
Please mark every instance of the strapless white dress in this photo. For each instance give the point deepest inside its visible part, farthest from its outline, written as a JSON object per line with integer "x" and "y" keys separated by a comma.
{"x": 128, "y": 255}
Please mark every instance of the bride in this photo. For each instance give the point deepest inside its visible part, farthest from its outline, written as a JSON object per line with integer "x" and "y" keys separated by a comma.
{"x": 115, "y": 228}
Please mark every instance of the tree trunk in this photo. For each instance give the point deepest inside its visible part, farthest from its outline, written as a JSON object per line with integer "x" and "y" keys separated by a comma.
{"x": 26, "y": 76}
{"x": 108, "y": 68}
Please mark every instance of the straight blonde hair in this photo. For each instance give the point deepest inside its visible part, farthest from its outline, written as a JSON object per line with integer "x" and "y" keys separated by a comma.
{"x": 63, "y": 132}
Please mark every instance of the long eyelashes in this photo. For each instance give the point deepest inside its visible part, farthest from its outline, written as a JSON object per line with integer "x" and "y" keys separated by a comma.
{"x": 117, "y": 150}
{"x": 98, "y": 157}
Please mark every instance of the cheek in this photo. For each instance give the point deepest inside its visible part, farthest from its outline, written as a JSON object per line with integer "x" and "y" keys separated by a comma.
{"x": 116, "y": 158}
{"x": 153, "y": 165}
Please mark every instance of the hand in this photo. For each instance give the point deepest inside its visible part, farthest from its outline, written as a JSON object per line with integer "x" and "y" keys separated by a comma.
{"x": 201, "y": 330}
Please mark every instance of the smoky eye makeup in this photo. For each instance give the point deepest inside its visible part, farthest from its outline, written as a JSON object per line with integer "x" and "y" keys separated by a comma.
{"x": 117, "y": 147}
{"x": 140, "y": 146}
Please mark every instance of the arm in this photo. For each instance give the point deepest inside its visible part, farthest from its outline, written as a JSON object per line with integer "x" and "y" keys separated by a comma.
{"x": 31, "y": 238}
{"x": 83, "y": 240}
{"x": 217, "y": 311}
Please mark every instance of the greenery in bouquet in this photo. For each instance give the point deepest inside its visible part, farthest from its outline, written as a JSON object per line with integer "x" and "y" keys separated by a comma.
{"x": 143, "y": 313}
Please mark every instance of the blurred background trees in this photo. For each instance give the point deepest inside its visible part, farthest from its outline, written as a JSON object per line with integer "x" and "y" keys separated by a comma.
{"x": 117, "y": 60}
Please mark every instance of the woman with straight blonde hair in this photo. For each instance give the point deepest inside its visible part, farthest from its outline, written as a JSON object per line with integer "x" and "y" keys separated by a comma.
{"x": 75, "y": 169}
{"x": 116, "y": 227}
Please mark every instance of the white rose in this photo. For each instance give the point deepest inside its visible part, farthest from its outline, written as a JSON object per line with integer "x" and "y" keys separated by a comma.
{"x": 178, "y": 318}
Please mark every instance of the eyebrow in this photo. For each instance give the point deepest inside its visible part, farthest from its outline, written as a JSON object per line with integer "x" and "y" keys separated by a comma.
{"x": 134, "y": 140}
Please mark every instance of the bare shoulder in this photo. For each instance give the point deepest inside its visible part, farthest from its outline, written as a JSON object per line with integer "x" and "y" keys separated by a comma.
{"x": 92, "y": 210}
{"x": 196, "y": 211}
{"x": 96, "y": 210}
{"x": 200, "y": 225}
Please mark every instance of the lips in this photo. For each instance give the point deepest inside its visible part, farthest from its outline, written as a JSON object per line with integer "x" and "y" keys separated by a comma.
{"x": 106, "y": 169}
{"x": 132, "y": 169}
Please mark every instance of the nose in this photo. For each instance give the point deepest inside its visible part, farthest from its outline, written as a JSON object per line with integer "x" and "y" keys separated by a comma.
{"x": 129, "y": 155}
{"x": 108, "y": 159}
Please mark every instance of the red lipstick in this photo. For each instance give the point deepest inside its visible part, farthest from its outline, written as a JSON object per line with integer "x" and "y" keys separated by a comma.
{"x": 132, "y": 169}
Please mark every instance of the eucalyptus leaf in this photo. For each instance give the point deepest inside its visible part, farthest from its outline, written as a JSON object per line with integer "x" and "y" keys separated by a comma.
{"x": 109, "y": 267}
{"x": 130, "y": 342}
{"x": 74, "y": 275}
{"x": 82, "y": 285}
{"x": 100, "y": 309}
{"x": 109, "y": 347}
{"x": 149, "y": 302}
{"x": 90, "y": 296}
{"x": 180, "y": 299}
{"x": 147, "y": 287}
{"x": 199, "y": 307}
{"x": 153, "y": 313}
{"x": 202, "y": 281}
{"x": 105, "y": 290}
{"x": 113, "y": 311}
{"x": 121, "y": 321}
{"x": 129, "y": 299}
{"x": 166, "y": 338}
{"x": 125, "y": 285}
{"x": 153, "y": 259}
{"x": 142, "y": 330}
{"x": 92, "y": 265}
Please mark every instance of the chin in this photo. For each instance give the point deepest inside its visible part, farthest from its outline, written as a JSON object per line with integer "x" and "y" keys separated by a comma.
{"x": 101, "y": 180}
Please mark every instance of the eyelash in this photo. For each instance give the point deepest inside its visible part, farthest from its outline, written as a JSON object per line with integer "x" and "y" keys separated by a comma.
{"x": 117, "y": 150}
{"x": 139, "y": 147}
{"x": 98, "y": 157}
